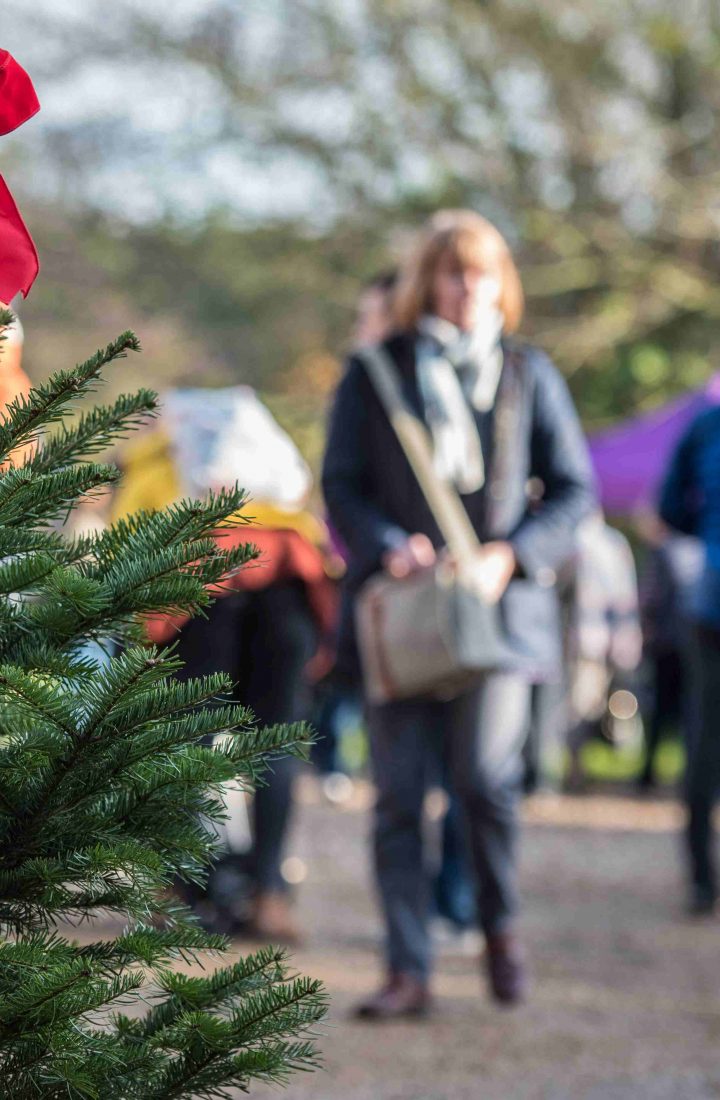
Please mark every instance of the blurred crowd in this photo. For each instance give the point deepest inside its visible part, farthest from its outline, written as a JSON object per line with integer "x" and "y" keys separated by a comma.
{"x": 613, "y": 636}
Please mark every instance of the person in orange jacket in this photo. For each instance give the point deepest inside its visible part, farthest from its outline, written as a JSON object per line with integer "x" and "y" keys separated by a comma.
{"x": 14, "y": 382}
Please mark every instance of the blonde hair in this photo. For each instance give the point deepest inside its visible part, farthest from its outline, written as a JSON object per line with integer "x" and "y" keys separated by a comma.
{"x": 471, "y": 241}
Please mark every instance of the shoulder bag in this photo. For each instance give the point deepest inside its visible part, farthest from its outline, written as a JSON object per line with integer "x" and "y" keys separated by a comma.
{"x": 431, "y": 633}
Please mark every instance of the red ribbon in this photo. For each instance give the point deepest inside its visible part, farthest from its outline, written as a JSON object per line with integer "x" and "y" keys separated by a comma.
{"x": 18, "y": 256}
{"x": 18, "y": 101}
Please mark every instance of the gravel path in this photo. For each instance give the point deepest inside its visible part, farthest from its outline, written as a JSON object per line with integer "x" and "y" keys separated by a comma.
{"x": 626, "y": 998}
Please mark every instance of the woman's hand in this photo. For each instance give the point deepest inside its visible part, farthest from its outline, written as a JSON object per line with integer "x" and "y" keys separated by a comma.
{"x": 415, "y": 554}
{"x": 497, "y": 565}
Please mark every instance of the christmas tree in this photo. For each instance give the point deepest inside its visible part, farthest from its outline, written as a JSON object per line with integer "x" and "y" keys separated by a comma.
{"x": 108, "y": 789}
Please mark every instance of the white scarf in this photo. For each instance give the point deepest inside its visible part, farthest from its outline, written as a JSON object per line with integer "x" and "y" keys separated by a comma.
{"x": 459, "y": 372}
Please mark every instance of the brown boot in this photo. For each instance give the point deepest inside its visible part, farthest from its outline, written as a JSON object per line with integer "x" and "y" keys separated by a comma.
{"x": 506, "y": 970}
{"x": 402, "y": 997}
{"x": 271, "y": 919}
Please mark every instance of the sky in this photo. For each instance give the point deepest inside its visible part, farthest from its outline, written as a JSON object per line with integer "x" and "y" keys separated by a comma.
{"x": 148, "y": 131}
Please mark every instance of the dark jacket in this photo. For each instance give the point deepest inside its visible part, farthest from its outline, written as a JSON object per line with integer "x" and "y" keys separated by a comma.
{"x": 533, "y": 432}
{"x": 690, "y": 495}
{"x": 690, "y": 502}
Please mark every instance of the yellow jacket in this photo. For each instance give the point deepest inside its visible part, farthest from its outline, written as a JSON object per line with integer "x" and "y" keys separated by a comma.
{"x": 151, "y": 482}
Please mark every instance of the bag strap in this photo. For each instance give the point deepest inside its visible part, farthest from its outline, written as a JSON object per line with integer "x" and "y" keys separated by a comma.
{"x": 444, "y": 502}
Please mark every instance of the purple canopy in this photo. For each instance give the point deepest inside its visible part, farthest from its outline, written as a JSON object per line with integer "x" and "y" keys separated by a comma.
{"x": 630, "y": 460}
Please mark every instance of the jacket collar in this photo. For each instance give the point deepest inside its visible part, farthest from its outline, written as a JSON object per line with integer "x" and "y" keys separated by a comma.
{"x": 400, "y": 346}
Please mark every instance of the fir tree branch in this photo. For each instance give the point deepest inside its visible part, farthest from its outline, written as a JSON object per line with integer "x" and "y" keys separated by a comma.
{"x": 186, "y": 992}
{"x": 26, "y": 499}
{"x": 27, "y": 416}
{"x": 95, "y": 432}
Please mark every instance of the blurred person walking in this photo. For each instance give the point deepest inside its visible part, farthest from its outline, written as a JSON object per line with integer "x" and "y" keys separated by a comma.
{"x": 497, "y": 413}
{"x": 264, "y": 629}
{"x": 337, "y": 702}
{"x": 453, "y": 894}
{"x": 374, "y": 317}
{"x": 604, "y": 638}
{"x": 14, "y": 382}
{"x": 670, "y": 572}
{"x": 690, "y": 503}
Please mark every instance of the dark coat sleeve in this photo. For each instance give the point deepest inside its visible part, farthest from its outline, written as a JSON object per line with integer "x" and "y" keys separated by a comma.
{"x": 679, "y": 495}
{"x": 559, "y": 457}
{"x": 348, "y": 476}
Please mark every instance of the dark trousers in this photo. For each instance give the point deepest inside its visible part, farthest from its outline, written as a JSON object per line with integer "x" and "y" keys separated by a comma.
{"x": 484, "y": 731}
{"x": 262, "y": 640}
{"x": 547, "y": 732}
{"x": 332, "y": 705}
{"x": 667, "y": 706}
{"x": 703, "y": 766}
{"x": 454, "y": 886}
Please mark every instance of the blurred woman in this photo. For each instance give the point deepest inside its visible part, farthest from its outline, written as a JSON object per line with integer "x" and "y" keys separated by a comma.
{"x": 498, "y": 414}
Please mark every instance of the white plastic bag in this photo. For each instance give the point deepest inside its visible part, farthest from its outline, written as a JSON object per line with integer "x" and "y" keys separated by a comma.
{"x": 224, "y": 436}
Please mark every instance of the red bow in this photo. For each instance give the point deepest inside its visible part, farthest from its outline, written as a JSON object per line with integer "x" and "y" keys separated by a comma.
{"x": 18, "y": 101}
{"x": 18, "y": 256}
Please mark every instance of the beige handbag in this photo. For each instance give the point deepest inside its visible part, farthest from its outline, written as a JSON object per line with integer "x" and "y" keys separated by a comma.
{"x": 431, "y": 633}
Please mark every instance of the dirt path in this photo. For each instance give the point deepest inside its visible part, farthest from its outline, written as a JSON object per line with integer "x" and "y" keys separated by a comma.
{"x": 626, "y": 1000}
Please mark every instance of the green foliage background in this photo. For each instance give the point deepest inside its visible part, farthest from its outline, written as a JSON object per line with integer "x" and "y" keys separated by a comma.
{"x": 588, "y": 132}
